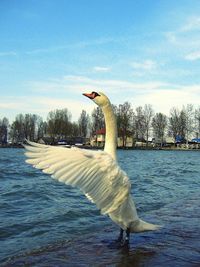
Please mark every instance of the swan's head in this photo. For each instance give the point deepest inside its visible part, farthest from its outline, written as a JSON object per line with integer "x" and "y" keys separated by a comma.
{"x": 99, "y": 98}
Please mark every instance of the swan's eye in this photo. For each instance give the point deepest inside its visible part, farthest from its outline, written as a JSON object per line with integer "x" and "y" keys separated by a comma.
{"x": 95, "y": 94}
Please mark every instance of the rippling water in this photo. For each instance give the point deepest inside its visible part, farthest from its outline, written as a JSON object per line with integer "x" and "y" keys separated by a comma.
{"x": 45, "y": 223}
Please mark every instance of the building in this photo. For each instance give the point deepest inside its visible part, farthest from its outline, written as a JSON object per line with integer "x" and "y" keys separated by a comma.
{"x": 99, "y": 139}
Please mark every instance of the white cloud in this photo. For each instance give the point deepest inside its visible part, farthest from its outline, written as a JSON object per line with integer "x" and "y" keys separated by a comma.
{"x": 8, "y": 105}
{"x": 101, "y": 69}
{"x": 41, "y": 105}
{"x": 72, "y": 84}
{"x": 80, "y": 44}
{"x": 111, "y": 85}
{"x": 193, "y": 56}
{"x": 8, "y": 53}
{"x": 74, "y": 106}
{"x": 147, "y": 65}
{"x": 186, "y": 37}
{"x": 171, "y": 37}
{"x": 192, "y": 24}
{"x": 183, "y": 41}
{"x": 48, "y": 49}
{"x": 164, "y": 100}
{"x": 66, "y": 93}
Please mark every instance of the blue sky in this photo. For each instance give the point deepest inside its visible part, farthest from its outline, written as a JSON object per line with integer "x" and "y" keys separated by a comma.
{"x": 141, "y": 51}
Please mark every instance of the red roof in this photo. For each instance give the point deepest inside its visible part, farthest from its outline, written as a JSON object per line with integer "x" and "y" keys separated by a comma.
{"x": 101, "y": 131}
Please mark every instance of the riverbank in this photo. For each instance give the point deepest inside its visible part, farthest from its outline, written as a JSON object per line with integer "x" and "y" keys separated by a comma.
{"x": 170, "y": 148}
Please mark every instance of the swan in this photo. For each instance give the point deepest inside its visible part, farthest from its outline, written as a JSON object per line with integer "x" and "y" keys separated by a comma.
{"x": 96, "y": 173}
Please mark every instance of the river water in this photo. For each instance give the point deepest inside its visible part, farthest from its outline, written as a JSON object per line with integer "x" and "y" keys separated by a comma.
{"x": 46, "y": 223}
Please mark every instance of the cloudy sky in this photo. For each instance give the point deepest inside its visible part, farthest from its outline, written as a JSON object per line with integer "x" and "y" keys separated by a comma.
{"x": 141, "y": 51}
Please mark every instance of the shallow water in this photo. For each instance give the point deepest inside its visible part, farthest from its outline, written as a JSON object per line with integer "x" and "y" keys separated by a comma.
{"x": 45, "y": 223}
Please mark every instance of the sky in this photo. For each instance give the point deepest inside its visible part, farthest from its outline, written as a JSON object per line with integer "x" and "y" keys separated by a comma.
{"x": 140, "y": 51}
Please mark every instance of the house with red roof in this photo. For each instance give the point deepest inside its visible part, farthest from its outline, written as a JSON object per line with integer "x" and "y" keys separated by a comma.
{"x": 98, "y": 139}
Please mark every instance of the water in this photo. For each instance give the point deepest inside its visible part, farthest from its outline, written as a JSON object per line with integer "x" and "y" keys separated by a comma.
{"x": 45, "y": 223}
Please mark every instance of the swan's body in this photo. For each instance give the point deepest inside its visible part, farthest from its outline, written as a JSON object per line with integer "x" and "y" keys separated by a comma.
{"x": 96, "y": 173}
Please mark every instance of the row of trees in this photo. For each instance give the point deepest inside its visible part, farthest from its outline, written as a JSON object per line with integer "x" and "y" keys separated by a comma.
{"x": 139, "y": 124}
{"x": 32, "y": 127}
{"x": 143, "y": 122}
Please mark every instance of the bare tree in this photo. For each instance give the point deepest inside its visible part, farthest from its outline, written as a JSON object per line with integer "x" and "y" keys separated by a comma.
{"x": 83, "y": 123}
{"x": 97, "y": 120}
{"x": 30, "y": 125}
{"x": 75, "y": 129}
{"x": 148, "y": 115}
{"x": 177, "y": 123}
{"x": 139, "y": 124}
{"x": 182, "y": 124}
{"x": 25, "y": 127}
{"x": 197, "y": 121}
{"x": 41, "y": 129}
{"x": 189, "y": 120}
{"x": 17, "y": 129}
{"x": 59, "y": 124}
{"x": 124, "y": 119}
{"x": 174, "y": 122}
{"x": 4, "y": 124}
{"x": 159, "y": 124}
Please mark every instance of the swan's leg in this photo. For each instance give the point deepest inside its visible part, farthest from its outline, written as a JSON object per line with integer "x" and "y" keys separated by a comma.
{"x": 127, "y": 238}
{"x": 128, "y": 235}
{"x": 120, "y": 238}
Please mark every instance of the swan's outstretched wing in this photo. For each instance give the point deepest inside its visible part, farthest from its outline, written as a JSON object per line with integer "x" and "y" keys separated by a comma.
{"x": 94, "y": 172}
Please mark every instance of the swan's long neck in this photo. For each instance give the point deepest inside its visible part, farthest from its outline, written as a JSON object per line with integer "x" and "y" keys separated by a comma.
{"x": 111, "y": 131}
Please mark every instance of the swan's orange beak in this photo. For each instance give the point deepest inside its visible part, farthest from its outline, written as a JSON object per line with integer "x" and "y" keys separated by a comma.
{"x": 91, "y": 95}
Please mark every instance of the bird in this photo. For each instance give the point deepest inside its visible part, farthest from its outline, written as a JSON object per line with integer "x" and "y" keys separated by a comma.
{"x": 96, "y": 173}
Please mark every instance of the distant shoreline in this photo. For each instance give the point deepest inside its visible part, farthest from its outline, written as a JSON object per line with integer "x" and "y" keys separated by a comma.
{"x": 120, "y": 148}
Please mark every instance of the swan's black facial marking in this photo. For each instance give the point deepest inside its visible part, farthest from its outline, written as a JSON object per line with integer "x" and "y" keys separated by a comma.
{"x": 95, "y": 94}
{"x": 92, "y": 95}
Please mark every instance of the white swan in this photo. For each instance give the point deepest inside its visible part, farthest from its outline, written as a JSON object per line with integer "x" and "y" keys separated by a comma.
{"x": 96, "y": 173}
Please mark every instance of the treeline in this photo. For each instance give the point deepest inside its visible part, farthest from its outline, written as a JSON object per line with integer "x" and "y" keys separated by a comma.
{"x": 58, "y": 125}
{"x": 139, "y": 123}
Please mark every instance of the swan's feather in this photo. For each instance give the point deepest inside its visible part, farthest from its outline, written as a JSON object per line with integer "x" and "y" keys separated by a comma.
{"x": 94, "y": 172}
